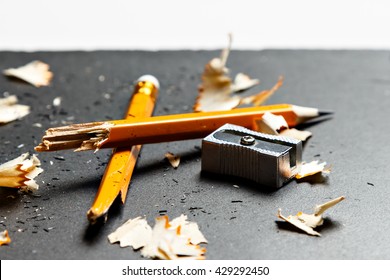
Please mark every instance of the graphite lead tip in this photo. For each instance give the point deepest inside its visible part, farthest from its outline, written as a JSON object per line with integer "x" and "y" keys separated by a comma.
{"x": 325, "y": 113}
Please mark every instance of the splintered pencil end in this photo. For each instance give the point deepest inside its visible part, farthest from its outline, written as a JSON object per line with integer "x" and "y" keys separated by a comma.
{"x": 80, "y": 137}
{"x": 94, "y": 216}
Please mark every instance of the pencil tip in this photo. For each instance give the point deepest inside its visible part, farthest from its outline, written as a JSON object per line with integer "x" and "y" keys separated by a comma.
{"x": 95, "y": 216}
{"x": 325, "y": 113}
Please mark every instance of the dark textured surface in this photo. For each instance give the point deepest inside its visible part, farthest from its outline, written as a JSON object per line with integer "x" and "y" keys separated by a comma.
{"x": 52, "y": 224}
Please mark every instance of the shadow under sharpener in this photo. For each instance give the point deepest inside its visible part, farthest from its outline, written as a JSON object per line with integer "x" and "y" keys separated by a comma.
{"x": 266, "y": 159}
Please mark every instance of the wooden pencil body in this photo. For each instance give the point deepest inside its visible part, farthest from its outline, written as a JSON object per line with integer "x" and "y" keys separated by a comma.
{"x": 118, "y": 173}
{"x": 188, "y": 126}
{"x": 136, "y": 131}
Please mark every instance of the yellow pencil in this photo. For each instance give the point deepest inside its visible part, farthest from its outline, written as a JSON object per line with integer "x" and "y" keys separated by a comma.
{"x": 118, "y": 173}
{"x": 119, "y": 133}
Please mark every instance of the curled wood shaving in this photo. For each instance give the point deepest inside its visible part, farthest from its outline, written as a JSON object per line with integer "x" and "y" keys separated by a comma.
{"x": 312, "y": 168}
{"x": 243, "y": 82}
{"x": 10, "y": 110}
{"x": 174, "y": 160}
{"x": 261, "y": 97}
{"x": 36, "y": 73}
{"x": 20, "y": 173}
{"x": 135, "y": 232}
{"x": 302, "y": 135}
{"x": 307, "y": 222}
{"x": 4, "y": 238}
{"x": 277, "y": 125}
{"x": 167, "y": 240}
{"x": 10, "y": 100}
{"x": 216, "y": 90}
{"x": 271, "y": 124}
{"x": 173, "y": 241}
{"x": 189, "y": 230}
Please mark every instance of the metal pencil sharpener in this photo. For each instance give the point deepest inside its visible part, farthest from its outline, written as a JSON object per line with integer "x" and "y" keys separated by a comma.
{"x": 266, "y": 159}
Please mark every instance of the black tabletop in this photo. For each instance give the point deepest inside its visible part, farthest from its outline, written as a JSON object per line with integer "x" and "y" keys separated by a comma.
{"x": 239, "y": 223}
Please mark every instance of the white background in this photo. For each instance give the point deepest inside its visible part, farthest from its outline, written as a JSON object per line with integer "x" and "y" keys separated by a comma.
{"x": 193, "y": 24}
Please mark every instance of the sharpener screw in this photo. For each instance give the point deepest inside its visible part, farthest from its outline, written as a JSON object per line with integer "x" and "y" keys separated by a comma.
{"x": 247, "y": 140}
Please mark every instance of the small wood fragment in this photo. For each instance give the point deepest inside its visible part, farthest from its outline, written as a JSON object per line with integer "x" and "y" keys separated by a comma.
{"x": 302, "y": 135}
{"x": 312, "y": 168}
{"x": 171, "y": 242}
{"x": 135, "y": 233}
{"x": 277, "y": 125}
{"x": 307, "y": 222}
{"x": 36, "y": 73}
{"x": 4, "y": 238}
{"x": 271, "y": 124}
{"x": 10, "y": 110}
{"x": 261, "y": 97}
{"x": 174, "y": 160}
{"x": 243, "y": 82}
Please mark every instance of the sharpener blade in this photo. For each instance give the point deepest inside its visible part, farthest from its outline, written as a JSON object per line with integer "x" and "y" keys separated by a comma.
{"x": 266, "y": 159}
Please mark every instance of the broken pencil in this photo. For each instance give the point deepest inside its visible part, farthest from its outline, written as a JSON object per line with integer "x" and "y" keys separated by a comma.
{"x": 120, "y": 133}
{"x": 118, "y": 173}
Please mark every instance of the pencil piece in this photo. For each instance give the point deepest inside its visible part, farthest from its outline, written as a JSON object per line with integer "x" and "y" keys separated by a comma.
{"x": 136, "y": 131}
{"x": 120, "y": 168}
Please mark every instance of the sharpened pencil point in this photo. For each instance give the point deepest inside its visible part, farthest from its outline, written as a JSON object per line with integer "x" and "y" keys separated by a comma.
{"x": 325, "y": 113}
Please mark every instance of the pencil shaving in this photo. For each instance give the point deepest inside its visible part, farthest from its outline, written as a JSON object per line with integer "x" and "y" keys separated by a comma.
{"x": 36, "y": 73}
{"x": 215, "y": 92}
{"x": 188, "y": 229}
{"x": 312, "y": 168}
{"x": 277, "y": 125}
{"x": 307, "y": 222}
{"x": 271, "y": 124}
{"x": 135, "y": 233}
{"x": 20, "y": 173}
{"x": 4, "y": 238}
{"x": 171, "y": 242}
{"x": 243, "y": 82}
{"x": 7, "y": 101}
{"x": 10, "y": 110}
{"x": 261, "y": 97}
{"x": 302, "y": 135}
{"x": 167, "y": 240}
{"x": 174, "y": 160}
